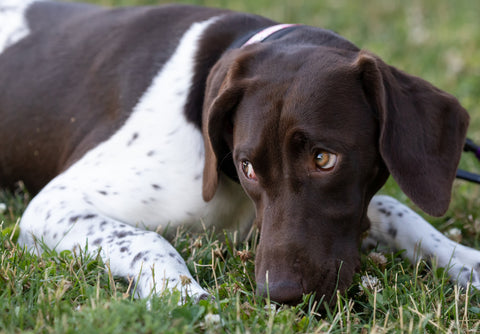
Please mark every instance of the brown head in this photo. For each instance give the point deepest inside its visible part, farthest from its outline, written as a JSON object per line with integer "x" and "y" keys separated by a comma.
{"x": 312, "y": 133}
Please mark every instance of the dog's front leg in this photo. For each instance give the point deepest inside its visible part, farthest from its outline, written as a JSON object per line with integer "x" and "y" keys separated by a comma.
{"x": 64, "y": 220}
{"x": 397, "y": 227}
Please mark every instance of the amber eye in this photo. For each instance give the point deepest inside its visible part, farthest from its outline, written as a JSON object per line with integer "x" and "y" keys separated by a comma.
{"x": 325, "y": 160}
{"x": 247, "y": 169}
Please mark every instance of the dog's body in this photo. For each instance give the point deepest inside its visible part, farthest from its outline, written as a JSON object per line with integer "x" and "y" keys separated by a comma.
{"x": 122, "y": 119}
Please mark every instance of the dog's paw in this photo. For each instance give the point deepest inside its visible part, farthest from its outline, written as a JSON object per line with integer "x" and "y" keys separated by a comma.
{"x": 396, "y": 226}
{"x": 464, "y": 267}
{"x": 468, "y": 275}
{"x": 188, "y": 287}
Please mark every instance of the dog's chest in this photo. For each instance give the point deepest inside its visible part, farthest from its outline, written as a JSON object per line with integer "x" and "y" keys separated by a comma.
{"x": 150, "y": 171}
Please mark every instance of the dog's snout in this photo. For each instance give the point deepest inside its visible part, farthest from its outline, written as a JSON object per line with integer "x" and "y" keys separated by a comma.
{"x": 284, "y": 292}
{"x": 286, "y": 270}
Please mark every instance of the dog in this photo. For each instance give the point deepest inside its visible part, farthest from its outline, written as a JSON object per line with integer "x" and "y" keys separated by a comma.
{"x": 124, "y": 120}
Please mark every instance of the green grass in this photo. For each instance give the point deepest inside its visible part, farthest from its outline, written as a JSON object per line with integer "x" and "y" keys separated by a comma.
{"x": 62, "y": 293}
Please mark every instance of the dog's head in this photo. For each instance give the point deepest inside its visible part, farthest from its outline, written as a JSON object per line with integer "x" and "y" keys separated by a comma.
{"x": 312, "y": 133}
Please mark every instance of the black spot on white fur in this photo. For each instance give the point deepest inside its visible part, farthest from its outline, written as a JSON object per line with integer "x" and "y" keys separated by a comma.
{"x": 392, "y": 231}
{"x": 122, "y": 234}
{"x": 134, "y": 137}
{"x": 91, "y": 230}
{"x": 73, "y": 219}
{"x": 136, "y": 258}
{"x": 87, "y": 200}
{"x": 385, "y": 212}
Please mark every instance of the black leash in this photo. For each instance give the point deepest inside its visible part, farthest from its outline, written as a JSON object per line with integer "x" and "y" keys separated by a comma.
{"x": 471, "y": 147}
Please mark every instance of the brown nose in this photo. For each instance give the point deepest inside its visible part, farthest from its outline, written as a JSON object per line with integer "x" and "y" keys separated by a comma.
{"x": 284, "y": 292}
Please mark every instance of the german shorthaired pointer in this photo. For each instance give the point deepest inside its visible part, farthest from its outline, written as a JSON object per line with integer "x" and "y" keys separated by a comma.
{"x": 124, "y": 120}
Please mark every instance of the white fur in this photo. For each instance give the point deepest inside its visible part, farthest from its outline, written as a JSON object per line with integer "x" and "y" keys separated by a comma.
{"x": 13, "y": 25}
{"x": 148, "y": 174}
{"x": 397, "y": 227}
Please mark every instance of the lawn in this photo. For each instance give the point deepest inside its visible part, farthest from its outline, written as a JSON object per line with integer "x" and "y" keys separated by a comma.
{"x": 66, "y": 292}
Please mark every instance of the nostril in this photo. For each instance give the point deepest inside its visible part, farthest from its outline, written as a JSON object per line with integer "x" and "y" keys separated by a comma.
{"x": 284, "y": 292}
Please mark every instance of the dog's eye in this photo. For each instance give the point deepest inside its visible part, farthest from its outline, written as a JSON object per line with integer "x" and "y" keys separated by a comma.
{"x": 325, "y": 160}
{"x": 247, "y": 169}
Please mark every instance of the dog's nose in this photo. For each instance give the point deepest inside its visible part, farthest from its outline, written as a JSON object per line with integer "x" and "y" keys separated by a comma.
{"x": 284, "y": 292}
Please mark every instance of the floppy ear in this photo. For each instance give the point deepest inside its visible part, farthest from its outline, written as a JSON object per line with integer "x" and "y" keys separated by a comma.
{"x": 223, "y": 92}
{"x": 422, "y": 132}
